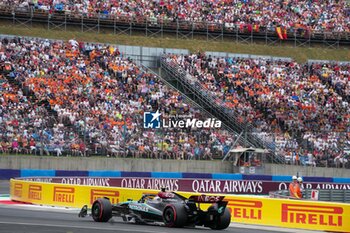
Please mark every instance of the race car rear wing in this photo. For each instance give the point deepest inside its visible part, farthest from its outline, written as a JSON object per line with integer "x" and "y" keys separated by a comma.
{"x": 206, "y": 198}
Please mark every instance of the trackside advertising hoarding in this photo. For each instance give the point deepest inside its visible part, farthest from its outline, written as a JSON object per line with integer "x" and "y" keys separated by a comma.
{"x": 252, "y": 210}
{"x": 256, "y": 187}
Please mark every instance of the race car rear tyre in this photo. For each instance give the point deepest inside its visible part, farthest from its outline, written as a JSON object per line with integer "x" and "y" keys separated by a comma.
{"x": 101, "y": 210}
{"x": 174, "y": 215}
{"x": 221, "y": 221}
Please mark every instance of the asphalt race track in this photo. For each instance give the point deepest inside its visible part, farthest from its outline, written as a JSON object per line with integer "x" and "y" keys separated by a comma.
{"x": 16, "y": 219}
{"x": 36, "y": 219}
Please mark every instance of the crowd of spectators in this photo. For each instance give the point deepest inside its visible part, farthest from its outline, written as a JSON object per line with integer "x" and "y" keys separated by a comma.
{"x": 336, "y": 75}
{"x": 99, "y": 97}
{"x": 25, "y": 125}
{"x": 307, "y": 15}
{"x": 304, "y": 109}
{"x": 81, "y": 98}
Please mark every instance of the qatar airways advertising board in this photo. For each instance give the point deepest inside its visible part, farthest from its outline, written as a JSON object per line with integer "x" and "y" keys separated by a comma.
{"x": 190, "y": 185}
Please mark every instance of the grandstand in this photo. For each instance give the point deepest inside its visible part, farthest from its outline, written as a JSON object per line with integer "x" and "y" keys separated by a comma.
{"x": 301, "y": 22}
{"x": 96, "y": 98}
{"x": 301, "y": 111}
{"x": 82, "y": 99}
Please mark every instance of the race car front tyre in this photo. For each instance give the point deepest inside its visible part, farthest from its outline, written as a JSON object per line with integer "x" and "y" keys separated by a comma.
{"x": 101, "y": 210}
{"x": 174, "y": 215}
{"x": 221, "y": 221}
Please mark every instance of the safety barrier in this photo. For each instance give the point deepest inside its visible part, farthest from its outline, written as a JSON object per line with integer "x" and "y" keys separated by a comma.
{"x": 12, "y": 173}
{"x": 197, "y": 185}
{"x": 250, "y": 210}
{"x": 177, "y": 181}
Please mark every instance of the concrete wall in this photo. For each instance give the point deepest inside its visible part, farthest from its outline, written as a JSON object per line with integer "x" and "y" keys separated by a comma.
{"x": 275, "y": 170}
{"x": 142, "y": 165}
{"x": 306, "y": 171}
{"x": 145, "y": 165}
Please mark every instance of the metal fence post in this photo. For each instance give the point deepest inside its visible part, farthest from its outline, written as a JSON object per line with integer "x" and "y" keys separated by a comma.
{"x": 207, "y": 31}
{"x": 251, "y": 36}
{"x": 236, "y": 33}
{"x": 130, "y": 33}
{"x": 192, "y": 28}
{"x": 82, "y": 23}
{"x": 177, "y": 29}
{"x": 114, "y": 26}
{"x": 98, "y": 23}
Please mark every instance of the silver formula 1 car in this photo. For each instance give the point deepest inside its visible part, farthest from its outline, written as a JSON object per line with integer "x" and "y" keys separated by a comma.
{"x": 169, "y": 208}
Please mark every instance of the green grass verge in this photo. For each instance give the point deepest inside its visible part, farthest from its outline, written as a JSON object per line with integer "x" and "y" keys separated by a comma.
{"x": 300, "y": 54}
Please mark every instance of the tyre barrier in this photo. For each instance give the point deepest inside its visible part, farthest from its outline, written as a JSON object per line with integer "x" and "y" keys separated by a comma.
{"x": 300, "y": 214}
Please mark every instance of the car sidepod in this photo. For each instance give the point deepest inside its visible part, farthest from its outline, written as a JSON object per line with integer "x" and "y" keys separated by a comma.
{"x": 144, "y": 211}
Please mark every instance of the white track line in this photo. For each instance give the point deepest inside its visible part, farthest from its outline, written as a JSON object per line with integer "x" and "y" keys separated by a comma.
{"x": 80, "y": 227}
{"x": 41, "y": 208}
{"x": 271, "y": 228}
